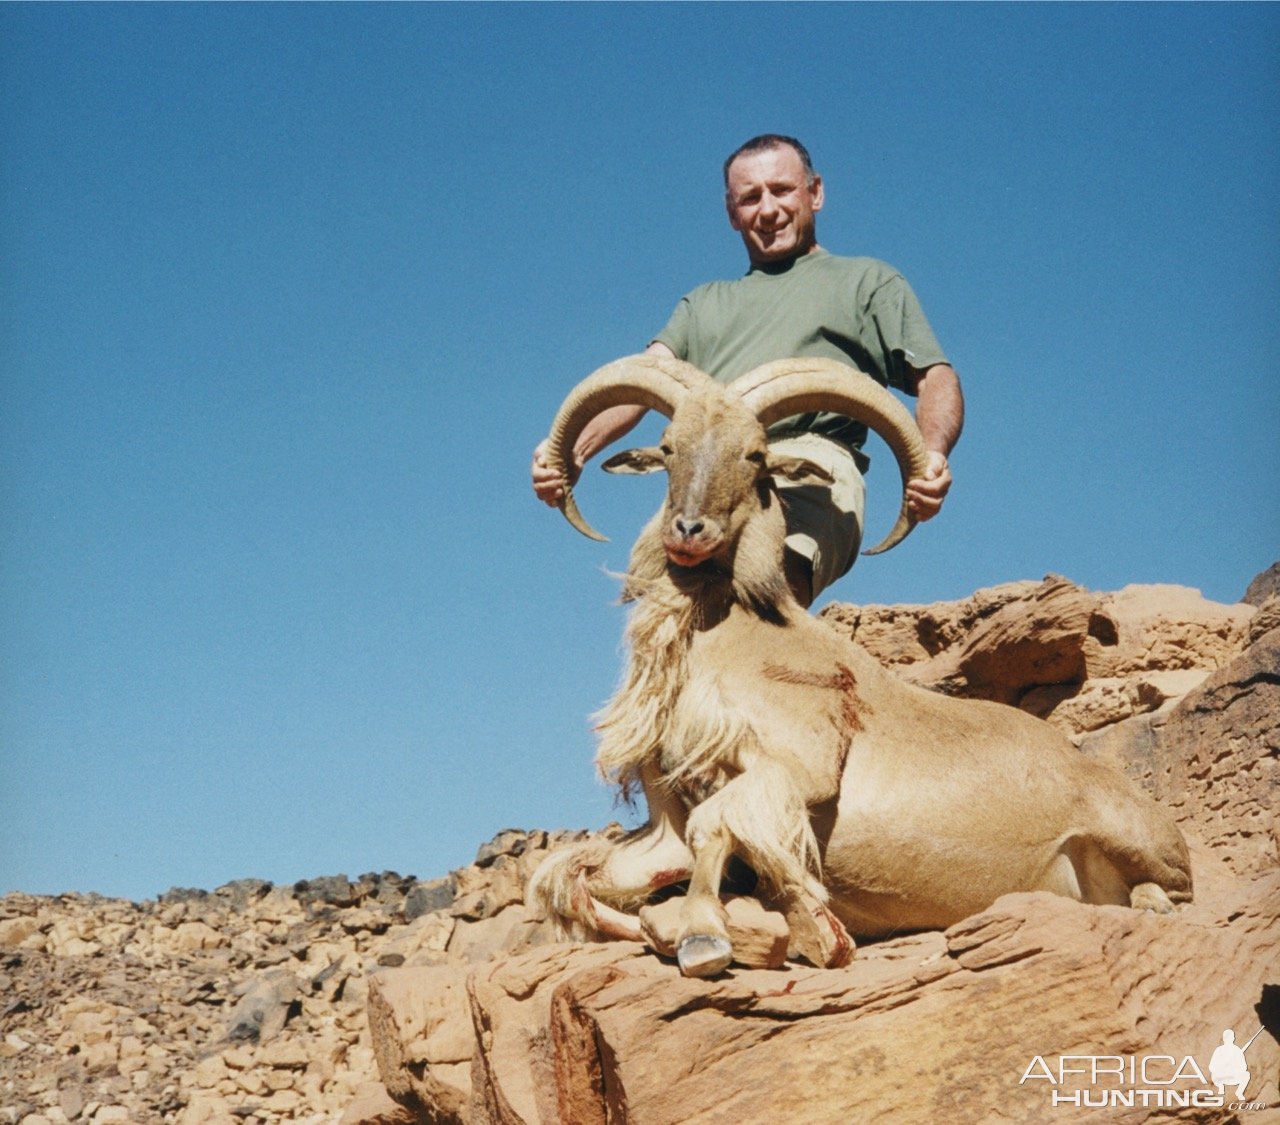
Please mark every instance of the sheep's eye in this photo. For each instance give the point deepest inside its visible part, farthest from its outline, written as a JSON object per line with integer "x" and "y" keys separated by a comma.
{"x": 665, "y": 450}
{"x": 756, "y": 457}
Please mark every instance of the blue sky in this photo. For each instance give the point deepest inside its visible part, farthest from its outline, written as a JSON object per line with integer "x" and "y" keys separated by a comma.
{"x": 289, "y": 292}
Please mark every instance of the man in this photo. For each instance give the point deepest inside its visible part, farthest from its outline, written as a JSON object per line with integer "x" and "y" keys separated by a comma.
{"x": 798, "y": 300}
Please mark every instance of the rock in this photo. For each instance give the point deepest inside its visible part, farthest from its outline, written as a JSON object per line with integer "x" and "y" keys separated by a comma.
{"x": 760, "y": 937}
{"x": 264, "y": 1009}
{"x": 1214, "y": 758}
{"x": 1265, "y": 585}
{"x": 509, "y": 842}
{"x": 372, "y": 1105}
{"x": 1146, "y": 628}
{"x": 604, "y": 1033}
{"x": 191, "y": 937}
{"x": 331, "y": 890}
{"x": 14, "y": 931}
{"x": 482, "y": 938}
{"x": 426, "y": 898}
{"x": 1266, "y": 619}
{"x": 182, "y": 895}
{"x": 515, "y": 1075}
{"x": 1078, "y": 659}
{"x": 420, "y": 1020}
{"x": 242, "y": 892}
{"x": 71, "y": 1101}
{"x": 486, "y": 891}
{"x": 1025, "y": 644}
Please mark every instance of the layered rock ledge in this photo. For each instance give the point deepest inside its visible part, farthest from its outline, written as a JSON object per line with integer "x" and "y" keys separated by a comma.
{"x": 386, "y": 999}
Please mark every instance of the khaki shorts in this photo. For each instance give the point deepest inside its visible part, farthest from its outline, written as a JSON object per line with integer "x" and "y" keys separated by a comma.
{"x": 824, "y": 522}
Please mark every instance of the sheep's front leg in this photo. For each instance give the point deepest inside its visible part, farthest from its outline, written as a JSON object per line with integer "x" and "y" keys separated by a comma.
{"x": 703, "y": 948}
{"x": 762, "y": 814}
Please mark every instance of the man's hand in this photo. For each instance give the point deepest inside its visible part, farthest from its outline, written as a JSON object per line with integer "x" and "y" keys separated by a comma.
{"x": 940, "y": 415}
{"x": 605, "y": 427}
{"x": 548, "y": 484}
{"x": 925, "y": 494}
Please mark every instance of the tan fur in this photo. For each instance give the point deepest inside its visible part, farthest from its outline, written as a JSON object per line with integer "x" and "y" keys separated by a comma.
{"x": 754, "y": 728}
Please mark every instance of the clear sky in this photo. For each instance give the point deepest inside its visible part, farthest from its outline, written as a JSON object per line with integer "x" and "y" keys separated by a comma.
{"x": 289, "y": 293}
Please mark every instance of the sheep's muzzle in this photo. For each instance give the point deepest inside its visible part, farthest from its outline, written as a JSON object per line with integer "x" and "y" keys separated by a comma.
{"x": 691, "y": 541}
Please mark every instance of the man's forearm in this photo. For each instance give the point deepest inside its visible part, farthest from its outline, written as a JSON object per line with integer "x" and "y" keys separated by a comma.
{"x": 939, "y": 407}
{"x": 605, "y": 428}
{"x": 611, "y": 424}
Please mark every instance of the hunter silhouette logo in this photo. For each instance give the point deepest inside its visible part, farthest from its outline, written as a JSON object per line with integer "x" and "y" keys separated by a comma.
{"x": 1228, "y": 1067}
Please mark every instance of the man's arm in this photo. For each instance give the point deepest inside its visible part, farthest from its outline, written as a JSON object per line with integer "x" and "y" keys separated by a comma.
{"x": 603, "y": 430}
{"x": 940, "y": 416}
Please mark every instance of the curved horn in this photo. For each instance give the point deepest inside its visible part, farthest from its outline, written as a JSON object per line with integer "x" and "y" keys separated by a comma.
{"x": 797, "y": 386}
{"x": 656, "y": 382}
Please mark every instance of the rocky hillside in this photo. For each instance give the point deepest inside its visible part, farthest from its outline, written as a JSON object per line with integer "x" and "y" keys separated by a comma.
{"x": 386, "y": 999}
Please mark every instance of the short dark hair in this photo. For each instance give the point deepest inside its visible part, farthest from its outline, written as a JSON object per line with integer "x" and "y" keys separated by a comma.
{"x": 766, "y": 141}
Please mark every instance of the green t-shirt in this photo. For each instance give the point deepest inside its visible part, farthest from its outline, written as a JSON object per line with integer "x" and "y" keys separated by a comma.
{"x": 859, "y": 311}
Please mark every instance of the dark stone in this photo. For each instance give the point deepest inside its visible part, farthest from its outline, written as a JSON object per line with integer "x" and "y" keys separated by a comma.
{"x": 243, "y": 892}
{"x": 386, "y": 887}
{"x": 510, "y": 841}
{"x": 426, "y": 898}
{"x": 332, "y": 890}
{"x": 183, "y": 894}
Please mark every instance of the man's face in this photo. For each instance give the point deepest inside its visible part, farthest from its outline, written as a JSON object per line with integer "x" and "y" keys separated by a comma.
{"x": 772, "y": 205}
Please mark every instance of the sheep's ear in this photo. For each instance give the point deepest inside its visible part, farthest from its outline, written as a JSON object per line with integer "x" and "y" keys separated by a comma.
{"x": 797, "y": 469}
{"x": 636, "y": 462}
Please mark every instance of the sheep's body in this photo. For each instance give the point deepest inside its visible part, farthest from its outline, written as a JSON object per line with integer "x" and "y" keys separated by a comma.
{"x": 757, "y": 730}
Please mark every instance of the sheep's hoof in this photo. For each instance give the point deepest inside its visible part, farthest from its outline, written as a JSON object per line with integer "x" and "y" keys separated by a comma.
{"x": 1150, "y": 897}
{"x": 701, "y": 955}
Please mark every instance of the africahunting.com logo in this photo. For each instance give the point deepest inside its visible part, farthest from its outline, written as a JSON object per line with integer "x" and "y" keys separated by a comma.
{"x": 1149, "y": 1081}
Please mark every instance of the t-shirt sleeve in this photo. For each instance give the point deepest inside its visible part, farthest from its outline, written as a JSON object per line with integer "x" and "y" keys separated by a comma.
{"x": 904, "y": 333}
{"x": 676, "y": 334}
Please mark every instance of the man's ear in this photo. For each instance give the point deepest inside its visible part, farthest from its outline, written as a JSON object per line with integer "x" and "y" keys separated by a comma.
{"x": 797, "y": 469}
{"x": 733, "y": 214}
{"x": 636, "y": 462}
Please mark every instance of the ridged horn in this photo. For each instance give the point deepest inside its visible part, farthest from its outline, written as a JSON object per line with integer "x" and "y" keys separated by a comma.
{"x": 785, "y": 387}
{"x": 652, "y": 381}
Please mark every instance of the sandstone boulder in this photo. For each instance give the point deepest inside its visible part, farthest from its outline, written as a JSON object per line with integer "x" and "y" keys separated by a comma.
{"x": 1078, "y": 659}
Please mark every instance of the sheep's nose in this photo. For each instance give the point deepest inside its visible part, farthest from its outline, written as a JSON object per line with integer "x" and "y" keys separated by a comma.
{"x": 688, "y": 528}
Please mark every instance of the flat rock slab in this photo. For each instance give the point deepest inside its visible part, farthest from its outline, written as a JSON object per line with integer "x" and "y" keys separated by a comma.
{"x": 927, "y": 1028}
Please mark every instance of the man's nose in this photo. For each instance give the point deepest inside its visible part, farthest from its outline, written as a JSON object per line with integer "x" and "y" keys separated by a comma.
{"x": 768, "y": 206}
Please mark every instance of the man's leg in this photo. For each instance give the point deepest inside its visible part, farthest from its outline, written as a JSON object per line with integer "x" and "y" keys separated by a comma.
{"x": 799, "y": 576}
{"x": 824, "y": 522}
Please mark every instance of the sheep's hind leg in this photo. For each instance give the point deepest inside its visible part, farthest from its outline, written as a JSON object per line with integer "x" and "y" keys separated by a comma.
{"x": 817, "y": 934}
{"x": 1098, "y": 871}
{"x": 1152, "y": 897}
{"x": 579, "y": 884}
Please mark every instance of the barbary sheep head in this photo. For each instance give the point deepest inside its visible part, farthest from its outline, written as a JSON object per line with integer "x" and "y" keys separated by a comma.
{"x": 714, "y": 450}
{"x": 720, "y": 474}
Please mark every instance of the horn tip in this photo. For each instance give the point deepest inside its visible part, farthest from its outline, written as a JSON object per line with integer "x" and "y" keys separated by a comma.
{"x": 569, "y": 509}
{"x": 905, "y": 525}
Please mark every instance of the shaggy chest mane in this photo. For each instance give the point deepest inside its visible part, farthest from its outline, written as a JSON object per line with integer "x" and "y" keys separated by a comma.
{"x": 664, "y": 714}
